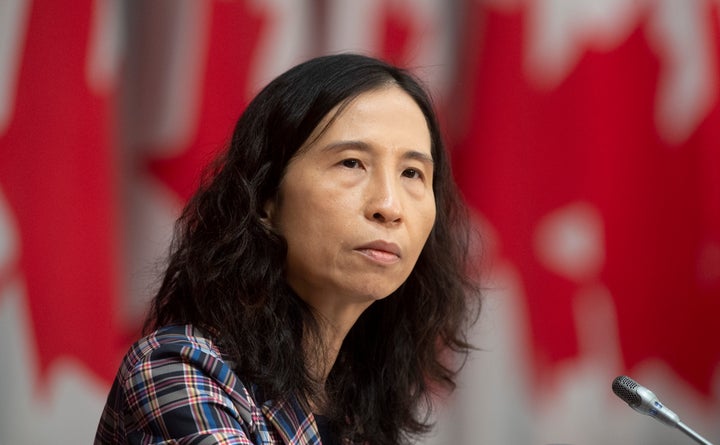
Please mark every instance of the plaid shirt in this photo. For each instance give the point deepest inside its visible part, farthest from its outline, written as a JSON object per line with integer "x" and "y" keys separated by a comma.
{"x": 173, "y": 387}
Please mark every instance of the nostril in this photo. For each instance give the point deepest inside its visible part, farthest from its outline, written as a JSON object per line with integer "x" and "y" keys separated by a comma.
{"x": 378, "y": 216}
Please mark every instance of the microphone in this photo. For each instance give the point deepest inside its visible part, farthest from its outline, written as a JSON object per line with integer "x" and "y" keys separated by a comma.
{"x": 644, "y": 401}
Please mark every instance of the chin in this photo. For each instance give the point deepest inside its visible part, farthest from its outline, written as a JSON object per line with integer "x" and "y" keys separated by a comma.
{"x": 379, "y": 294}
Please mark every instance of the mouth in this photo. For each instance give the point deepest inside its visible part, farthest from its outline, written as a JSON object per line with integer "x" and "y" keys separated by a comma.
{"x": 381, "y": 252}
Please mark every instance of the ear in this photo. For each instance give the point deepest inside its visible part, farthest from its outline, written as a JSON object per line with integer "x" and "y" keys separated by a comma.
{"x": 268, "y": 212}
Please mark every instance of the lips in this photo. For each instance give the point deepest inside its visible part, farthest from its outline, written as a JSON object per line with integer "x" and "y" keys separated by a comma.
{"x": 381, "y": 251}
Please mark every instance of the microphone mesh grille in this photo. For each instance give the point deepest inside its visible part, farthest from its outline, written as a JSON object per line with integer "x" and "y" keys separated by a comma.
{"x": 624, "y": 387}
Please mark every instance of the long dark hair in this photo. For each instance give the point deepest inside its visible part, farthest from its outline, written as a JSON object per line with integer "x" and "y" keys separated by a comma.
{"x": 226, "y": 268}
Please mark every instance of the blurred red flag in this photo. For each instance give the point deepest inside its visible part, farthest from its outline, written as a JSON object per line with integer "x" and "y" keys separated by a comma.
{"x": 589, "y": 188}
{"x": 58, "y": 174}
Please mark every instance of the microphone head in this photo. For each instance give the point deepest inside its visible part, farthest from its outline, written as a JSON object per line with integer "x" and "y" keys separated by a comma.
{"x": 643, "y": 400}
{"x": 626, "y": 388}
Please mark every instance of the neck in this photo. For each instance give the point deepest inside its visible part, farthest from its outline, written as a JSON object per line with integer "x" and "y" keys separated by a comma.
{"x": 334, "y": 324}
{"x": 330, "y": 339}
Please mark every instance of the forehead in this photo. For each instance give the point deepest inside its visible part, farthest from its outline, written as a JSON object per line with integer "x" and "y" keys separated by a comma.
{"x": 388, "y": 116}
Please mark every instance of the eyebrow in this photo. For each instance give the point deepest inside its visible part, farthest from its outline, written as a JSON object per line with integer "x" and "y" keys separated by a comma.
{"x": 363, "y": 146}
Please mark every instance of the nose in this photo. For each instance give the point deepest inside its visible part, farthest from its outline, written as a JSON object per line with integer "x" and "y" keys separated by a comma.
{"x": 383, "y": 202}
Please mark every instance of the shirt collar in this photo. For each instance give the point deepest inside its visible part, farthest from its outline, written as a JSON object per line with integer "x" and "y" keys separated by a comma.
{"x": 294, "y": 425}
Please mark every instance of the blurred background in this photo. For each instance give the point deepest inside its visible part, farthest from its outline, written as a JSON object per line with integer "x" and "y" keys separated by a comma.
{"x": 585, "y": 135}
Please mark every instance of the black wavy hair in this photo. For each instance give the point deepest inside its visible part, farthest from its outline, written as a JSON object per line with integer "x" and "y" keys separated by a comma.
{"x": 226, "y": 269}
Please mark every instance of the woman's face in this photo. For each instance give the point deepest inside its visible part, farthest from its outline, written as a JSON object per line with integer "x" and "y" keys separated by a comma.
{"x": 356, "y": 204}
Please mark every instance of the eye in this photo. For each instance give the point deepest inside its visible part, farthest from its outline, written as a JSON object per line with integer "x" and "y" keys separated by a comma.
{"x": 412, "y": 173}
{"x": 351, "y": 163}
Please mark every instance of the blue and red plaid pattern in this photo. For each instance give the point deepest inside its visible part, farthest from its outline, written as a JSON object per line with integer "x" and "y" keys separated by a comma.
{"x": 173, "y": 387}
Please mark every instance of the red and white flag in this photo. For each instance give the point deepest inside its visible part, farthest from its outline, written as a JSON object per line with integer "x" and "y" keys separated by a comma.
{"x": 60, "y": 219}
{"x": 587, "y": 138}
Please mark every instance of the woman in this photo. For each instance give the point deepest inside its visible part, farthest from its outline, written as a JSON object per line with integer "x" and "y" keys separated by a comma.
{"x": 317, "y": 284}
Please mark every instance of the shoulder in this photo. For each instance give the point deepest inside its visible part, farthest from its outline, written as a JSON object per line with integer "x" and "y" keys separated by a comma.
{"x": 178, "y": 365}
{"x": 168, "y": 340}
{"x": 175, "y": 383}
{"x": 180, "y": 352}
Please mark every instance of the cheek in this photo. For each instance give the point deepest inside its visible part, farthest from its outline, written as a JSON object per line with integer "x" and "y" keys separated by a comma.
{"x": 423, "y": 223}
{"x": 310, "y": 218}
{"x": 427, "y": 218}
{"x": 428, "y": 222}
